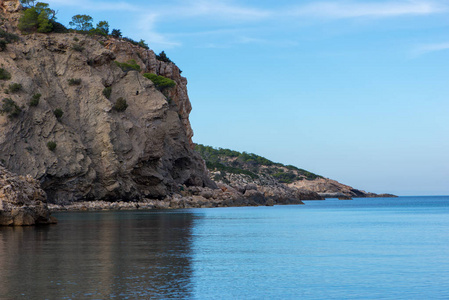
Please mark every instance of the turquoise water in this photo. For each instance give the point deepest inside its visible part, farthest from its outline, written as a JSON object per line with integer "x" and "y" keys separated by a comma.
{"x": 395, "y": 248}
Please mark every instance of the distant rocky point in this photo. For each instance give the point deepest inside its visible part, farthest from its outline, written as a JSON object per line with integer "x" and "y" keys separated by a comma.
{"x": 240, "y": 168}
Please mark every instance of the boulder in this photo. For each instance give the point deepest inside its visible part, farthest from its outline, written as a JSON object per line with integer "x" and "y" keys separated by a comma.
{"x": 22, "y": 201}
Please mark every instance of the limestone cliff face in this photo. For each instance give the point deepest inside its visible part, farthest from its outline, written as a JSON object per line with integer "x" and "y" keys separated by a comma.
{"x": 100, "y": 153}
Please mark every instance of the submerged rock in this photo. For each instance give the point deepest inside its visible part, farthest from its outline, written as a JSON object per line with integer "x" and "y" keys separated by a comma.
{"x": 22, "y": 201}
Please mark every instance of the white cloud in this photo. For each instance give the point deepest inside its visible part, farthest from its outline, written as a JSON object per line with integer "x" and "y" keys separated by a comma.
{"x": 219, "y": 10}
{"x": 230, "y": 16}
{"x": 340, "y": 10}
{"x": 146, "y": 26}
{"x": 424, "y": 49}
{"x": 96, "y": 5}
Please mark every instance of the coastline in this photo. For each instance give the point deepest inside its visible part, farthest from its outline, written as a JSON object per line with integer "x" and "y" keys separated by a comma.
{"x": 172, "y": 203}
{"x": 177, "y": 202}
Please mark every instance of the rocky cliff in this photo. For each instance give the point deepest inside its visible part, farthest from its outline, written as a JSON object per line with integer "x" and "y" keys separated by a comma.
{"x": 62, "y": 123}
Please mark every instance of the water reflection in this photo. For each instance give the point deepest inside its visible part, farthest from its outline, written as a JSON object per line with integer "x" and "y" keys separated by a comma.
{"x": 99, "y": 255}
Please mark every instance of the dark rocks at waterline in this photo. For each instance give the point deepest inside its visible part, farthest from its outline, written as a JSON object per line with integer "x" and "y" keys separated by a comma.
{"x": 197, "y": 197}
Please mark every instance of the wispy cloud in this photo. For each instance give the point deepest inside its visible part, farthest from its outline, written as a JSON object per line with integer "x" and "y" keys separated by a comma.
{"x": 340, "y": 10}
{"x": 230, "y": 15}
{"x": 97, "y": 5}
{"x": 424, "y": 49}
{"x": 218, "y": 10}
{"x": 147, "y": 24}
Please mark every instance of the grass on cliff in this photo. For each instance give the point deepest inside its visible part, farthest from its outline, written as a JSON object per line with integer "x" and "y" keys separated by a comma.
{"x": 6, "y": 38}
{"x": 4, "y": 75}
{"x": 161, "y": 82}
{"x": 58, "y": 113}
{"x": 218, "y": 159}
{"x": 35, "y": 100}
{"x": 3, "y": 45}
{"x": 51, "y": 146}
{"x": 74, "y": 81}
{"x": 14, "y": 88}
{"x": 130, "y": 65}
{"x": 10, "y": 108}
{"x": 107, "y": 92}
{"x": 120, "y": 105}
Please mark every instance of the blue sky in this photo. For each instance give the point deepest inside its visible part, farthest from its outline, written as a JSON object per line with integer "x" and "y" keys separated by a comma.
{"x": 357, "y": 91}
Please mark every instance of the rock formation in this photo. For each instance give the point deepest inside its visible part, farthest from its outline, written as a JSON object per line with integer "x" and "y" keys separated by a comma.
{"x": 10, "y": 6}
{"x": 94, "y": 151}
{"x": 22, "y": 201}
{"x": 78, "y": 115}
{"x": 275, "y": 180}
{"x": 329, "y": 188}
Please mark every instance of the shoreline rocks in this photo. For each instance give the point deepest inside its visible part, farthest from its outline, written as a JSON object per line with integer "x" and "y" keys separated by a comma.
{"x": 22, "y": 201}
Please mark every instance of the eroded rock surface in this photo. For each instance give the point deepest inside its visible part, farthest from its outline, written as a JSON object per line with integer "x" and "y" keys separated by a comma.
{"x": 22, "y": 201}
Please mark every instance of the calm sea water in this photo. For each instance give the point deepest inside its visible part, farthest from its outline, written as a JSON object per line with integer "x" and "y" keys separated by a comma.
{"x": 394, "y": 248}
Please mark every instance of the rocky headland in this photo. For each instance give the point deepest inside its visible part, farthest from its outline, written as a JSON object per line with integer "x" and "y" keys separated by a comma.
{"x": 77, "y": 140}
{"x": 238, "y": 169}
{"x": 102, "y": 122}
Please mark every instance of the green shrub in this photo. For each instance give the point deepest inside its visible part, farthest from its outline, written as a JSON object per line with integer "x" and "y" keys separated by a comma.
{"x": 58, "y": 27}
{"x": 10, "y": 108}
{"x": 14, "y": 87}
{"x": 82, "y": 22}
{"x": 107, "y": 92}
{"x": 78, "y": 47}
{"x": 3, "y": 46}
{"x": 120, "y": 105}
{"x": 128, "y": 66}
{"x": 58, "y": 113}
{"x": 39, "y": 18}
{"x": 76, "y": 39}
{"x": 142, "y": 44}
{"x": 102, "y": 28}
{"x": 35, "y": 100}
{"x": 163, "y": 57}
{"x": 51, "y": 146}
{"x": 285, "y": 177}
{"x": 116, "y": 33}
{"x": 4, "y": 75}
{"x": 74, "y": 81}
{"x": 129, "y": 40}
{"x": 8, "y": 37}
{"x": 161, "y": 82}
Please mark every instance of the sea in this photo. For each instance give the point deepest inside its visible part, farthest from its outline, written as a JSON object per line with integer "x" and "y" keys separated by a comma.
{"x": 367, "y": 248}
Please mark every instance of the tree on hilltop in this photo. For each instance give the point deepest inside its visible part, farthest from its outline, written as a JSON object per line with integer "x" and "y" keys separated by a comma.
{"x": 102, "y": 28}
{"x": 163, "y": 57}
{"x": 82, "y": 22}
{"x": 116, "y": 33}
{"x": 38, "y": 18}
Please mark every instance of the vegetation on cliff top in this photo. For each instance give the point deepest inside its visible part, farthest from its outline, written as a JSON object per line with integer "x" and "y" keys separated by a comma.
{"x": 39, "y": 17}
{"x": 226, "y": 160}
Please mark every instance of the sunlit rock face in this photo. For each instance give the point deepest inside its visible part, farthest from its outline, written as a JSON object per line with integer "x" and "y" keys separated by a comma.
{"x": 99, "y": 151}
